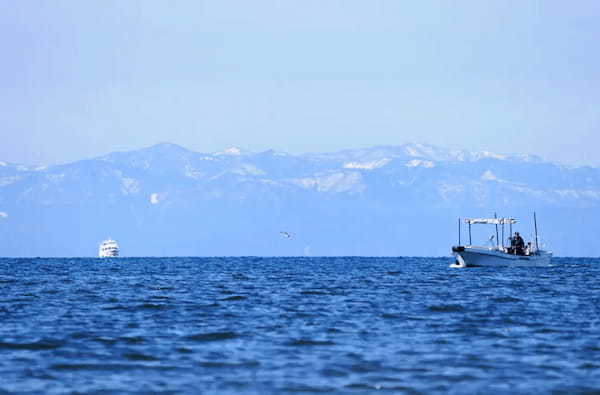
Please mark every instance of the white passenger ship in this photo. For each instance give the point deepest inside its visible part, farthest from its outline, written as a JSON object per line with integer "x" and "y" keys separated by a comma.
{"x": 108, "y": 248}
{"x": 498, "y": 254}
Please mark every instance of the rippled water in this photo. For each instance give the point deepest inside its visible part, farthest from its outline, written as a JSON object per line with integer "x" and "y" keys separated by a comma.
{"x": 301, "y": 325}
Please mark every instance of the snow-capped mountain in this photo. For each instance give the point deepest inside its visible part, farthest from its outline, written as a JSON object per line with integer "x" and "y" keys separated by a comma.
{"x": 385, "y": 200}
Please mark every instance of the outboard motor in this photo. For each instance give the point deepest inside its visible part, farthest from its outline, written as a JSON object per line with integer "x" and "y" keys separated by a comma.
{"x": 460, "y": 262}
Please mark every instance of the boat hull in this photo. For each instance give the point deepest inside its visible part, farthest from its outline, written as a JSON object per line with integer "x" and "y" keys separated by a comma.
{"x": 477, "y": 257}
{"x": 108, "y": 254}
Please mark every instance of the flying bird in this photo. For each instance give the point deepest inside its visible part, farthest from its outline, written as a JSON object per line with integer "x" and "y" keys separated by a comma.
{"x": 287, "y": 235}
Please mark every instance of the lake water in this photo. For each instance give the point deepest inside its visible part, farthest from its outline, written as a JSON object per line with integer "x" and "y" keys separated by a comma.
{"x": 297, "y": 325}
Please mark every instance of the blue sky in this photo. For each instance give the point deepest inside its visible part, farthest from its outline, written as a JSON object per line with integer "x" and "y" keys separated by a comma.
{"x": 83, "y": 78}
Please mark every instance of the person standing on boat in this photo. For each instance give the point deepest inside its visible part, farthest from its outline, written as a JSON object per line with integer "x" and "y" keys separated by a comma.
{"x": 511, "y": 249}
{"x": 519, "y": 244}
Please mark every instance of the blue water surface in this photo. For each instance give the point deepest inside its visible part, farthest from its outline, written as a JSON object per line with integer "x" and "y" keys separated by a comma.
{"x": 297, "y": 325}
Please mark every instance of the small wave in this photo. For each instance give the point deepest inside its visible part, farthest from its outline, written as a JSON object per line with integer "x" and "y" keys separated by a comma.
{"x": 547, "y": 347}
{"x": 132, "y": 339}
{"x": 35, "y": 374}
{"x": 458, "y": 378}
{"x": 118, "y": 307}
{"x": 307, "y": 342}
{"x": 162, "y": 288}
{"x": 39, "y": 345}
{"x": 74, "y": 366}
{"x": 328, "y": 372}
{"x": 446, "y": 308}
{"x": 547, "y": 368}
{"x": 306, "y": 388}
{"x": 547, "y": 330}
{"x": 391, "y": 316}
{"x": 105, "y": 340}
{"x": 359, "y": 386}
{"x": 212, "y": 336}
{"x": 233, "y": 298}
{"x": 506, "y": 299}
{"x": 134, "y": 356}
{"x": 393, "y": 273}
{"x": 28, "y": 295}
{"x": 229, "y": 365}
{"x": 80, "y": 335}
{"x": 106, "y": 367}
{"x": 152, "y": 306}
{"x": 313, "y": 293}
{"x": 366, "y": 367}
{"x": 379, "y": 387}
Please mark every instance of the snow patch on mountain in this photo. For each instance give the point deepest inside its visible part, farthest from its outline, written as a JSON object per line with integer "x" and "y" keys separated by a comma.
{"x": 488, "y": 175}
{"x": 420, "y": 163}
{"x": 232, "y": 151}
{"x": 487, "y": 154}
{"x": 438, "y": 154}
{"x": 578, "y": 194}
{"x": 306, "y": 183}
{"x": 433, "y": 153}
{"x": 449, "y": 191}
{"x": 8, "y": 180}
{"x": 333, "y": 182}
{"x": 129, "y": 186}
{"x": 3, "y": 214}
{"x": 140, "y": 164}
{"x": 248, "y": 169}
{"x": 191, "y": 172}
{"x": 424, "y": 151}
{"x": 367, "y": 165}
{"x": 55, "y": 178}
{"x": 3, "y": 164}
{"x": 531, "y": 192}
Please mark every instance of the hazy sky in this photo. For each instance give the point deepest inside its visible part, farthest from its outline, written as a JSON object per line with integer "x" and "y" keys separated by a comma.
{"x": 84, "y": 78}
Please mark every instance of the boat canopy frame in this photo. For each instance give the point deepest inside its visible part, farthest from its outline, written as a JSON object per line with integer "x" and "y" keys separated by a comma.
{"x": 496, "y": 221}
{"x": 488, "y": 221}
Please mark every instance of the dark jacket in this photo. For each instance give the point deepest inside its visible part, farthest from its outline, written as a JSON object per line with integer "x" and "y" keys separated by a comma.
{"x": 519, "y": 245}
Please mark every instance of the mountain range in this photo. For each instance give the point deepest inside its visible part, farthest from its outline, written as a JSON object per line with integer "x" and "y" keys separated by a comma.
{"x": 166, "y": 200}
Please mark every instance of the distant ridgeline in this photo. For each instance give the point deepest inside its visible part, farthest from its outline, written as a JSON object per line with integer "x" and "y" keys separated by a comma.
{"x": 403, "y": 200}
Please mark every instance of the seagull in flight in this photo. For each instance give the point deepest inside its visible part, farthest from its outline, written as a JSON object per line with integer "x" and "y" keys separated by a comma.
{"x": 287, "y": 235}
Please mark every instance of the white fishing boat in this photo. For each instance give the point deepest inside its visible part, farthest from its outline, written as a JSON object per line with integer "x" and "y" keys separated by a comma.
{"x": 108, "y": 248}
{"x": 515, "y": 253}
